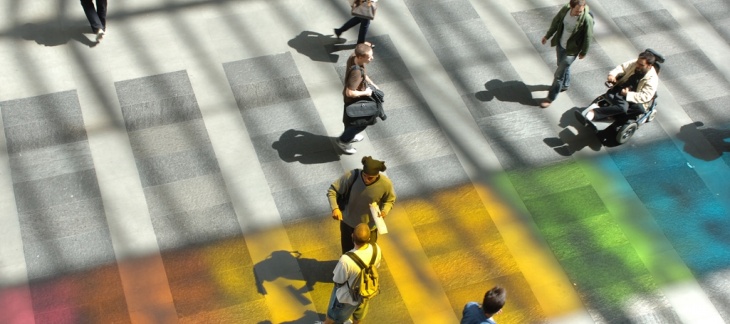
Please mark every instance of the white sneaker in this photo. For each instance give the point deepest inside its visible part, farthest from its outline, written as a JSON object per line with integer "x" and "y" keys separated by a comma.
{"x": 346, "y": 147}
{"x": 100, "y": 35}
{"x": 358, "y": 137}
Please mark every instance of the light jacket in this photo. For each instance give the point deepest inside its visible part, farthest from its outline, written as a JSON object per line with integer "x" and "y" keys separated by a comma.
{"x": 580, "y": 38}
{"x": 647, "y": 86}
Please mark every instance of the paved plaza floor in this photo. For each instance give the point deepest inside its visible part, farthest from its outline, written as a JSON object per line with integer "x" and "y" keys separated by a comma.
{"x": 177, "y": 171}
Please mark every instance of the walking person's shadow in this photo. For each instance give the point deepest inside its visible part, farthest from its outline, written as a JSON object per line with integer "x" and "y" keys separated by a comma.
{"x": 54, "y": 33}
{"x": 305, "y": 147}
{"x": 279, "y": 265}
{"x": 318, "y": 47}
{"x": 510, "y": 91}
{"x": 718, "y": 138}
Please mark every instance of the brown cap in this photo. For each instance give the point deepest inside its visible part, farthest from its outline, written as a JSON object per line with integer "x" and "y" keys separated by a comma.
{"x": 372, "y": 166}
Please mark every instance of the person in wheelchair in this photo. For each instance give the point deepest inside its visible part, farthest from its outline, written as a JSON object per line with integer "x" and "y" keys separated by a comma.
{"x": 633, "y": 86}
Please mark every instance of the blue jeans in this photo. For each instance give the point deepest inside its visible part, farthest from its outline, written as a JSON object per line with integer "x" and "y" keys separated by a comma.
{"x": 341, "y": 312}
{"x": 364, "y": 24}
{"x": 562, "y": 74}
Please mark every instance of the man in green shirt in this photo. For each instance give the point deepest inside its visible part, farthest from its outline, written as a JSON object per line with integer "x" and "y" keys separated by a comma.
{"x": 570, "y": 33}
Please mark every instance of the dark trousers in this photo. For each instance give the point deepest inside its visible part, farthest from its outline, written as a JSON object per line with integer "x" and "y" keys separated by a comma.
{"x": 346, "y": 237}
{"x": 364, "y": 24}
{"x": 618, "y": 106}
{"x": 95, "y": 15}
{"x": 350, "y": 132}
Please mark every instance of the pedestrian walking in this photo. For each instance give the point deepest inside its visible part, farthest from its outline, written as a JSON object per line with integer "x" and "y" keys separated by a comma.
{"x": 96, "y": 16}
{"x": 343, "y": 304}
{"x": 570, "y": 33}
{"x": 354, "y": 21}
{"x": 494, "y": 300}
{"x": 350, "y": 197}
{"x": 358, "y": 86}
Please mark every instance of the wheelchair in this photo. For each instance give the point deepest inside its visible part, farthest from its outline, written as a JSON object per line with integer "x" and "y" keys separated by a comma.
{"x": 622, "y": 127}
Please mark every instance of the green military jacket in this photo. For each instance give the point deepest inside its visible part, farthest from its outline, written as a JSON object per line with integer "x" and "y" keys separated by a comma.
{"x": 580, "y": 38}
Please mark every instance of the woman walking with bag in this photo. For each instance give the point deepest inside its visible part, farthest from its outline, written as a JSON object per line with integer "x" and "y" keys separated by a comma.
{"x": 363, "y": 11}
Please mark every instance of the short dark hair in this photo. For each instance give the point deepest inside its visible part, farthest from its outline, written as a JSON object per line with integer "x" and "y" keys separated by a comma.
{"x": 648, "y": 56}
{"x": 575, "y": 3}
{"x": 494, "y": 300}
{"x": 361, "y": 234}
{"x": 362, "y": 49}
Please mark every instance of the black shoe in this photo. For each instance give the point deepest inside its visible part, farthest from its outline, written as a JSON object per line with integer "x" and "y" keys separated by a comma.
{"x": 563, "y": 89}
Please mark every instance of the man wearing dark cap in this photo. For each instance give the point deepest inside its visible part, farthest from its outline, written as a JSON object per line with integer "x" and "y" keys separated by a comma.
{"x": 360, "y": 188}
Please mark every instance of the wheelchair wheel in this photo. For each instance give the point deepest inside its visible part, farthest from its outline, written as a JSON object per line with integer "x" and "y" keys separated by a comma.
{"x": 625, "y": 132}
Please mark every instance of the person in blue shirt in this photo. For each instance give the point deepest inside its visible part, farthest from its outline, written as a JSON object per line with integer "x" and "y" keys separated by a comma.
{"x": 494, "y": 300}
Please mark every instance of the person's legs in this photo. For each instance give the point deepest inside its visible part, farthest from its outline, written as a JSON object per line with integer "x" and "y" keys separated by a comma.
{"x": 350, "y": 132}
{"x": 91, "y": 15}
{"x": 338, "y": 312}
{"x": 101, "y": 12}
{"x": 561, "y": 79}
{"x": 360, "y": 312}
{"x": 346, "y": 237}
{"x": 348, "y": 24}
{"x": 618, "y": 107}
{"x": 364, "y": 24}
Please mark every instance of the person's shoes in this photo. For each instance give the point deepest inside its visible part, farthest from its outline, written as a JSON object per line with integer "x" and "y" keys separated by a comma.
{"x": 100, "y": 35}
{"x": 545, "y": 103}
{"x": 580, "y": 118}
{"x": 357, "y": 138}
{"x": 563, "y": 89}
{"x": 338, "y": 33}
{"x": 346, "y": 147}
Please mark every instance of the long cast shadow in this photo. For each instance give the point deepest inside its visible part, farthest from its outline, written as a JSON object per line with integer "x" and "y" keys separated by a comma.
{"x": 310, "y": 44}
{"x": 510, "y": 91}
{"x": 275, "y": 267}
{"x": 718, "y": 138}
{"x": 54, "y": 34}
{"x": 305, "y": 147}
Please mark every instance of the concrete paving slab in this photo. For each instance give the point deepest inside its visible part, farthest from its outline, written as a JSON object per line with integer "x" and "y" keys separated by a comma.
{"x": 230, "y": 140}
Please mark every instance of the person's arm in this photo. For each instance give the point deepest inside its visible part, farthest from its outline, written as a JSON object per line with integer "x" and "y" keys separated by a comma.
{"x": 646, "y": 93}
{"x": 554, "y": 24}
{"x": 387, "y": 201}
{"x": 367, "y": 78}
{"x": 340, "y": 272}
{"x": 336, "y": 188}
{"x": 353, "y": 82}
{"x": 619, "y": 70}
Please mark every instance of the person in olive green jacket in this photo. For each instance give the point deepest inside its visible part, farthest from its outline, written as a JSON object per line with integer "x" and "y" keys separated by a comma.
{"x": 571, "y": 32}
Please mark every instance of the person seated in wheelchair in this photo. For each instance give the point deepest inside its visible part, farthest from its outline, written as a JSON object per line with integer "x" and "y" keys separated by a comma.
{"x": 633, "y": 87}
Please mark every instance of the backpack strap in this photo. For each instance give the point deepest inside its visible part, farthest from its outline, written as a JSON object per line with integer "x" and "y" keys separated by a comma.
{"x": 356, "y": 173}
{"x": 359, "y": 261}
{"x": 375, "y": 254}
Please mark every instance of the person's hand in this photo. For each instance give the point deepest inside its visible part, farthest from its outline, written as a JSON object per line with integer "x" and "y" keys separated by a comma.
{"x": 624, "y": 91}
{"x": 382, "y": 214}
{"x": 581, "y": 56}
{"x": 544, "y": 40}
{"x": 611, "y": 78}
{"x": 337, "y": 214}
{"x": 368, "y": 92}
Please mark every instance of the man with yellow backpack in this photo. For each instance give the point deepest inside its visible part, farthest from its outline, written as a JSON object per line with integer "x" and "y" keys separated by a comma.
{"x": 356, "y": 279}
